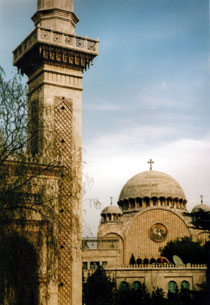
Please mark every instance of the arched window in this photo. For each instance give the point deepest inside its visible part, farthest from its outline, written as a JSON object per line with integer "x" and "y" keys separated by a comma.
{"x": 155, "y": 201}
{"x": 126, "y": 204}
{"x": 152, "y": 261}
{"x": 139, "y": 202}
{"x": 185, "y": 285}
{"x": 146, "y": 261}
{"x": 139, "y": 261}
{"x": 124, "y": 285}
{"x": 172, "y": 287}
{"x": 132, "y": 203}
{"x": 136, "y": 285}
{"x": 147, "y": 201}
{"x": 162, "y": 201}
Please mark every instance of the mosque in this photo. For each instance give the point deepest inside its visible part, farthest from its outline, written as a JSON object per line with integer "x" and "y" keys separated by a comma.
{"x": 150, "y": 213}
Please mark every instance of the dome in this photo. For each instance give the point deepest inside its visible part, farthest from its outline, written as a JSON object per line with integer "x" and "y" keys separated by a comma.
{"x": 201, "y": 206}
{"x": 152, "y": 184}
{"x": 111, "y": 209}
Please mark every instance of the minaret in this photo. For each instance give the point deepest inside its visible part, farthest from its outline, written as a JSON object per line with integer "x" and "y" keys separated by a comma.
{"x": 54, "y": 58}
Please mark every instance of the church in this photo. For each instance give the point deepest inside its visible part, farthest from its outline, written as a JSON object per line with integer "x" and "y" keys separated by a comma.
{"x": 149, "y": 213}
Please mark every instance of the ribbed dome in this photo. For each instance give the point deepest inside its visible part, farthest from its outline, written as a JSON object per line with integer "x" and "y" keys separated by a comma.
{"x": 111, "y": 209}
{"x": 201, "y": 206}
{"x": 152, "y": 184}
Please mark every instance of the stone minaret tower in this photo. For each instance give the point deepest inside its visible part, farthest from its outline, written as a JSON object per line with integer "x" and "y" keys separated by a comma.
{"x": 54, "y": 58}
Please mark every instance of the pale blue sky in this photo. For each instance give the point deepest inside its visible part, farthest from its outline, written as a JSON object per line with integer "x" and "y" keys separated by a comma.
{"x": 147, "y": 94}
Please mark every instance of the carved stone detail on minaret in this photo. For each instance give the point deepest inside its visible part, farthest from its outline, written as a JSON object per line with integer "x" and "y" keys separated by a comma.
{"x": 63, "y": 130}
{"x": 63, "y": 149}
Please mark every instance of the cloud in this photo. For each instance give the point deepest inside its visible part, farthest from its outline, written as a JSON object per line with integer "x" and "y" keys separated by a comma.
{"x": 18, "y": 2}
{"x": 138, "y": 136}
{"x": 104, "y": 107}
{"x": 166, "y": 94}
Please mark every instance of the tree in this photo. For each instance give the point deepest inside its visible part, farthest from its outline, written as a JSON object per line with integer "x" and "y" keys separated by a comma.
{"x": 188, "y": 250}
{"x": 13, "y": 117}
{"x": 158, "y": 297}
{"x": 20, "y": 193}
{"x": 132, "y": 260}
{"x": 200, "y": 219}
{"x": 98, "y": 289}
{"x": 27, "y": 193}
{"x": 20, "y": 199}
{"x": 135, "y": 295}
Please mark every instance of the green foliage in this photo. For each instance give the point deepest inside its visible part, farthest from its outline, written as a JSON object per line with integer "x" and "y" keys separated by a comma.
{"x": 188, "y": 250}
{"x": 132, "y": 296}
{"x": 98, "y": 289}
{"x": 158, "y": 297}
{"x": 200, "y": 219}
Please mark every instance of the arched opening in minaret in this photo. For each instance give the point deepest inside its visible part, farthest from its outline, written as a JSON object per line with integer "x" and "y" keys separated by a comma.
{"x": 19, "y": 271}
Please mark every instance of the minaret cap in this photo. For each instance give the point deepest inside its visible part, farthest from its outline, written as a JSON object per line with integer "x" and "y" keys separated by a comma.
{"x": 67, "y": 5}
{"x": 56, "y": 15}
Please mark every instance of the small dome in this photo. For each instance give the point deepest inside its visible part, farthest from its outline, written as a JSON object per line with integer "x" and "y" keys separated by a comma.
{"x": 201, "y": 206}
{"x": 111, "y": 209}
{"x": 152, "y": 184}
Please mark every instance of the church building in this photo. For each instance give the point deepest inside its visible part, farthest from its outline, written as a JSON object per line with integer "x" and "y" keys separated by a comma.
{"x": 150, "y": 213}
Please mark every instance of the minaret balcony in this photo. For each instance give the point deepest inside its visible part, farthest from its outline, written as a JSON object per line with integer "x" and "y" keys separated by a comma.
{"x": 47, "y": 45}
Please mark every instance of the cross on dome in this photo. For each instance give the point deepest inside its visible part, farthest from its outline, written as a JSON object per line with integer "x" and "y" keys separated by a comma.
{"x": 201, "y": 198}
{"x": 150, "y": 162}
{"x": 111, "y": 199}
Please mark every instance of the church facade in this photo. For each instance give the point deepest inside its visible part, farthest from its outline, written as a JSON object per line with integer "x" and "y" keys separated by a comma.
{"x": 149, "y": 215}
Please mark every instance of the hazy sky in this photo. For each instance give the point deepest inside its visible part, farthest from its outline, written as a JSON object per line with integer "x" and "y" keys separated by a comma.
{"x": 146, "y": 96}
